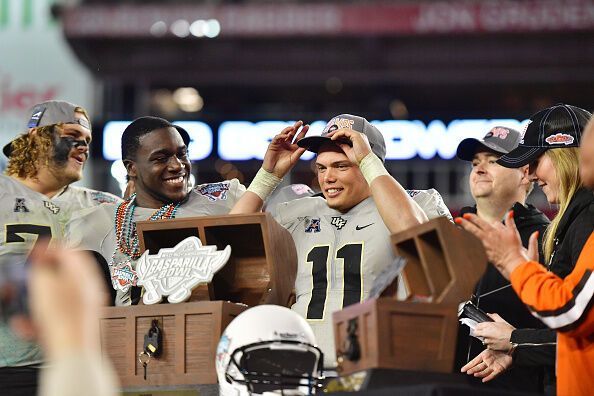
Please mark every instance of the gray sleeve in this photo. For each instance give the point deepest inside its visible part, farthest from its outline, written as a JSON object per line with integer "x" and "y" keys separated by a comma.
{"x": 431, "y": 202}
{"x": 87, "y": 229}
{"x": 237, "y": 189}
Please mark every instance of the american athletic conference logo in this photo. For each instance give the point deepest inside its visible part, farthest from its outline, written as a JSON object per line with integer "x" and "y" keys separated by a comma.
{"x": 213, "y": 191}
{"x": 312, "y": 225}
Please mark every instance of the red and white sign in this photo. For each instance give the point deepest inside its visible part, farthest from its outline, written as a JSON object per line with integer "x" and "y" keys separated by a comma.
{"x": 336, "y": 19}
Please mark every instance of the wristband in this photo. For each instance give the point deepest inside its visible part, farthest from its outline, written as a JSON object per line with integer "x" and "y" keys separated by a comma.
{"x": 371, "y": 167}
{"x": 264, "y": 184}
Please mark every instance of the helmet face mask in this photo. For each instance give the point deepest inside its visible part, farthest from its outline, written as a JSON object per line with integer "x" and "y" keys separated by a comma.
{"x": 270, "y": 366}
{"x": 268, "y": 350}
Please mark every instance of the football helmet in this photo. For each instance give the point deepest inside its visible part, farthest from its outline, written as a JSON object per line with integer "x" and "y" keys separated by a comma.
{"x": 268, "y": 349}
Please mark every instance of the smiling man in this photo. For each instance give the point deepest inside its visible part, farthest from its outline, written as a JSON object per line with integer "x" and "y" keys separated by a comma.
{"x": 343, "y": 238}
{"x": 155, "y": 155}
{"x": 496, "y": 190}
{"x": 37, "y": 201}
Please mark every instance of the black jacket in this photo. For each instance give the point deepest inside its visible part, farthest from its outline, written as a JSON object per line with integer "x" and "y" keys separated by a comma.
{"x": 493, "y": 293}
{"x": 536, "y": 346}
{"x": 573, "y": 231}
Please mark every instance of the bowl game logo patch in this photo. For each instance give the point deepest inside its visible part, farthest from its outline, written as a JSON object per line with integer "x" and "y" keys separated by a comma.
{"x": 213, "y": 191}
{"x": 101, "y": 198}
{"x": 560, "y": 138}
{"x": 124, "y": 276}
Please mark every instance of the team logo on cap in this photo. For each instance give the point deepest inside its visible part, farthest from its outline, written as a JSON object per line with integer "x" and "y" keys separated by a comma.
{"x": 498, "y": 132}
{"x": 213, "y": 191}
{"x": 35, "y": 118}
{"x": 338, "y": 123}
{"x": 560, "y": 138}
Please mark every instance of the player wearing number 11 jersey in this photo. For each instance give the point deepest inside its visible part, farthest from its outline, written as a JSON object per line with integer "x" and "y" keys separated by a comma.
{"x": 343, "y": 239}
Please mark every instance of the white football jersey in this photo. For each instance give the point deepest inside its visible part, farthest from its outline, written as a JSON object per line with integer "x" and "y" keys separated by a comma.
{"x": 340, "y": 255}
{"x": 94, "y": 229}
{"x": 26, "y": 216}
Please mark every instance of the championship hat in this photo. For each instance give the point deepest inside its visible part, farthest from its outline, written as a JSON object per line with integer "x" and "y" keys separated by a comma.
{"x": 559, "y": 126}
{"x": 356, "y": 123}
{"x": 49, "y": 113}
{"x": 499, "y": 139}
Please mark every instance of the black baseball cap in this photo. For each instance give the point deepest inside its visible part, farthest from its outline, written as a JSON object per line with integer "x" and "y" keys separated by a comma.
{"x": 356, "y": 123}
{"x": 49, "y": 113}
{"x": 559, "y": 126}
{"x": 499, "y": 139}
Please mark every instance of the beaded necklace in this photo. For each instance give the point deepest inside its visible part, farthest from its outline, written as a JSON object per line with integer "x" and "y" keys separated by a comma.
{"x": 125, "y": 227}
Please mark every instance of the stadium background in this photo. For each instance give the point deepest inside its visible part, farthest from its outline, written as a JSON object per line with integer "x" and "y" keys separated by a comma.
{"x": 216, "y": 61}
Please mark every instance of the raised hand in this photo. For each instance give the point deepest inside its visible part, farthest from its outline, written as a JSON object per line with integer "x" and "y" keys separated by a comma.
{"x": 283, "y": 153}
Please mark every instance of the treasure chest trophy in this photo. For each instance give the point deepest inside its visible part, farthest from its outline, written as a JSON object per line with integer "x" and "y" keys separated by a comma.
{"x": 443, "y": 263}
{"x": 209, "y": 270}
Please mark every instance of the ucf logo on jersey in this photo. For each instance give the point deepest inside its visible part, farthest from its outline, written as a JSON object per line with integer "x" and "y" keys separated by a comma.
{"x": 338, "y": 222}
{"x": 52, "y": 207}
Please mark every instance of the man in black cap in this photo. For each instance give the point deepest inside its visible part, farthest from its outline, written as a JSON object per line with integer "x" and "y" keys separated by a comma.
{"x": 550, "y": 147}
{"x": 37, "y": 201}
{"x": 496, "y": 190}
{"x": 343, "y": 238}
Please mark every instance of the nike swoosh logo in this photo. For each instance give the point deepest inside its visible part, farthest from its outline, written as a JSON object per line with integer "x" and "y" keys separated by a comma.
{"x": 365, "y": 226}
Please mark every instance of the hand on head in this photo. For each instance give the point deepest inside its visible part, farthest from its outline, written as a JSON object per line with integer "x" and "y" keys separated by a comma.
{"x": 360, "y": 147}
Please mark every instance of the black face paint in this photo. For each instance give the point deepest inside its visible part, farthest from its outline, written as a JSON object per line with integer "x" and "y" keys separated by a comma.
{"x": 62, "y": 147}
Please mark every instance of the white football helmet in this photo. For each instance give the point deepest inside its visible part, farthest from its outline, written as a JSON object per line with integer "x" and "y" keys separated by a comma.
{"x": 268, "y": 349}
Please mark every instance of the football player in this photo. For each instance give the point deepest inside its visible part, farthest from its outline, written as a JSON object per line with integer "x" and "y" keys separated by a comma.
{"x": 37, "y": 201}
{"x": 155, "y": 154}
{"x": 343, "y": 239}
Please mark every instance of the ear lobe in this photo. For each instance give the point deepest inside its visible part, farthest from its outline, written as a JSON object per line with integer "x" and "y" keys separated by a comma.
{"x": 130, "y": 168}
{"x": 525, "y": 175}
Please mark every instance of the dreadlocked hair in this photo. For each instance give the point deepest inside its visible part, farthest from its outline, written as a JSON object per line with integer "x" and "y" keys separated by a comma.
{"x": 30, "y": 151}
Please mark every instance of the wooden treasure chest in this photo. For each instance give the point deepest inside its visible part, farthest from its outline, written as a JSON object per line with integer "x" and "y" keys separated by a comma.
{"x": 261, "y": 270}
{"x": 444, "y": 262}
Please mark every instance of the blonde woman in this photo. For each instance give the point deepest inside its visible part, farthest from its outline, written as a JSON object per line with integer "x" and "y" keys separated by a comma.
{"x": 550, "y": 146}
